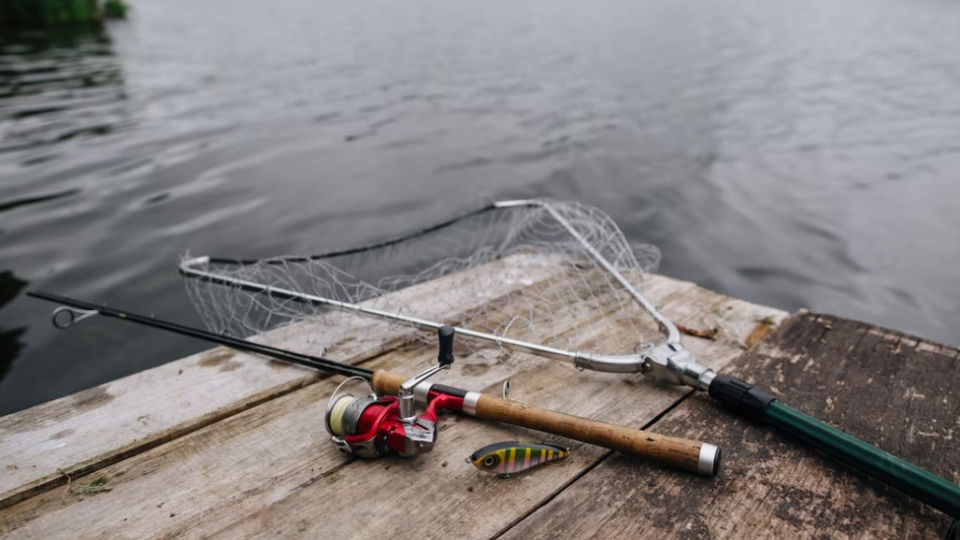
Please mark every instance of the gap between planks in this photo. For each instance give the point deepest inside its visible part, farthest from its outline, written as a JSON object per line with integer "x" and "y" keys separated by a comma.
{"x": 588, "y": 470}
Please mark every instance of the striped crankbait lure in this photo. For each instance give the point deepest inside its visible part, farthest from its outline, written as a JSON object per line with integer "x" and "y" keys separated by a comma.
{"x": 510, "y": 457}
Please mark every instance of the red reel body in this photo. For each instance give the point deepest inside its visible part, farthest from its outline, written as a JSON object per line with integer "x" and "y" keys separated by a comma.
{"x": 371, "y": 427}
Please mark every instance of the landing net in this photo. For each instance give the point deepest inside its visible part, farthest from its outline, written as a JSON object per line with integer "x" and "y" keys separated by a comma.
{"x": 521, "y": 270}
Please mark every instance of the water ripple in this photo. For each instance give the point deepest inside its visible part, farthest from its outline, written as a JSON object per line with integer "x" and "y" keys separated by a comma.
{"x": 801, "y": 153}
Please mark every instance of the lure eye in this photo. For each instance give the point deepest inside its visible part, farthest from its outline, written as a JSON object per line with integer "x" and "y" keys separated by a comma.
{"x": 489, "y": 461}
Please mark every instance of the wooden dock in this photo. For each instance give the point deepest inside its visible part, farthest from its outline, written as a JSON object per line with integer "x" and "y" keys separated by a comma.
{"x": 227, "y": 445}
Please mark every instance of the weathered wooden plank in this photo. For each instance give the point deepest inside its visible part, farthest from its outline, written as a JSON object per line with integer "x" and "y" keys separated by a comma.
{"x": 893, "y": 390}
{"x": 43, "y": 446}
{"x": 268, "y": 469}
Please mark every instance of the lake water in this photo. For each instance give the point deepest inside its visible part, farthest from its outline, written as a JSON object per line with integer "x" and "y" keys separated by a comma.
{"x": 800, "y": 153}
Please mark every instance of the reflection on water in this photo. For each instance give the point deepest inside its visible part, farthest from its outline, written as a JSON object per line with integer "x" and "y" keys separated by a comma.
{"x": 57, "y": 84}
{"x": 10, "y": 205}
{"x": 798, "y": 153}
{"x": 10, "y": 344}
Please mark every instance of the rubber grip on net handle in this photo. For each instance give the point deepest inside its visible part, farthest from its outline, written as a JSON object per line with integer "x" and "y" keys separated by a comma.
{"x": 759, "y": 406}
{"x": 685, "y": 454}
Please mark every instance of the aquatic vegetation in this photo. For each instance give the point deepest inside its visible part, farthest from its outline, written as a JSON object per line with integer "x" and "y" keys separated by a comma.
{"x": 115, "y": 9}
{"x": 57, "y": 12}
{"x": 97, "y": 486}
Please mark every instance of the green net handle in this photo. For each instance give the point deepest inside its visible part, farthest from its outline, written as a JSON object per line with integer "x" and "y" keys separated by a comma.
{"x": 912, "y": 480}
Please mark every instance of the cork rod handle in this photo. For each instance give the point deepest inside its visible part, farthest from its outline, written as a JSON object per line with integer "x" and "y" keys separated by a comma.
{"x": 681, "y": 453}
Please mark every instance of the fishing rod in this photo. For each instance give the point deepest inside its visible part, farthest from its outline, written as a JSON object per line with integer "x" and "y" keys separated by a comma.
{"x": 668, "y": 361}
{"x": 387, "y": 420}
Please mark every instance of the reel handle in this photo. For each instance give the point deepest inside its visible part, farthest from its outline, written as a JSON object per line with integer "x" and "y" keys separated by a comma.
{"x": 694, "y": 456}
{"x": 408, "y": 408}
{"x": 445, "y": 335}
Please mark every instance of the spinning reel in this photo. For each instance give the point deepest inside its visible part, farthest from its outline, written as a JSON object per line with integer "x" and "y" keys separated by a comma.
{"x": 373, "y": 425}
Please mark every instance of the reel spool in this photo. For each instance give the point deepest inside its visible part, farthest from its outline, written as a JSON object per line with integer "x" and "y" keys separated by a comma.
{"x": 342, "y": 421}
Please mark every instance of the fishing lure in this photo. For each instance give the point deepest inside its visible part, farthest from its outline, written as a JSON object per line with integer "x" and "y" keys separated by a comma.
{"x": 510, "y": 457}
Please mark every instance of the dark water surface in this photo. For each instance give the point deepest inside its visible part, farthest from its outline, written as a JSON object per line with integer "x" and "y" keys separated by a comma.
{"x": 801, "y": 153}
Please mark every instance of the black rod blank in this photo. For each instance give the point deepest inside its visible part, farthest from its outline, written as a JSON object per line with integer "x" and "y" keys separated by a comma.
{"x": 316, "y": 362}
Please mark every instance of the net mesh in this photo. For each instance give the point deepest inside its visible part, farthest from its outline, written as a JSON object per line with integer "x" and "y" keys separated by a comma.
{"x": 511, "y": 272}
